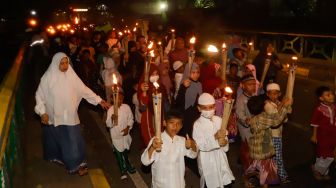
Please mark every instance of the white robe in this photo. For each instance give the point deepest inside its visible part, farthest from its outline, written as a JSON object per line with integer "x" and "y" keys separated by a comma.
{"x": 168, "y": 165}
{"x": 212, "y": 161}
{"x": 59, "y": 94}
{"x": 125, "y": 118}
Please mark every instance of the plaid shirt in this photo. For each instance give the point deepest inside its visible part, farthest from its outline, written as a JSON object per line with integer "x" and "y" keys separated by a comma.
{"x": 260, "y": 143}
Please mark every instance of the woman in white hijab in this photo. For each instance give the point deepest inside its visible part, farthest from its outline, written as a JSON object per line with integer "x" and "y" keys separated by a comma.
{"x": 57, "y": 99}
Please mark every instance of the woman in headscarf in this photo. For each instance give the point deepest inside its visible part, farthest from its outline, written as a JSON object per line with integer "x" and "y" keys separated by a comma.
{"x": 57, "y": 99}
{"x": 145, "y": 92}
{"x": 187, "y": 96}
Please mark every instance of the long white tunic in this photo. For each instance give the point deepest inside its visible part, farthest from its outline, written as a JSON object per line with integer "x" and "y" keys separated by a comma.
{"x": 212, "y": 161}
{"x": 168, "y": 165}
{"x": 125, "y": 118}
{"x": 59, "y": 94}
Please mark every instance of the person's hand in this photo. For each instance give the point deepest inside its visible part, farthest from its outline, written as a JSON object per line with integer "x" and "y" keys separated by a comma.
{"x": 125, "y": 131}
{"x": 45, "y": 119}
{"x": 186, "y": 83}
{"x": 222, "y": 142}
{"x": 261, "y": 85}
{"x": 220, "y": 134}
{"x": 104, "y": 105}
{"x": 144, "y": 87}
{"x": 287, "y": 102}
{"x": 157, "y": 144}
{"x": 314, "y": 139}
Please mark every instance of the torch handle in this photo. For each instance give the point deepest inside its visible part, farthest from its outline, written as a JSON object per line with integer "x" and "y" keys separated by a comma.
{"x": 266, "y": 67}
{"x": 290, "y": 82}
{"x": 223, "y": 67}
{"x": 228, "y": 104}
{"x": 157, "y": 98}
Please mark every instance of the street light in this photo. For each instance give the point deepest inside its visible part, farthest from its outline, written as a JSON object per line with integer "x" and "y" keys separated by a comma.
{"x": 163, "y": 6}
{"x": 33, "y": 12}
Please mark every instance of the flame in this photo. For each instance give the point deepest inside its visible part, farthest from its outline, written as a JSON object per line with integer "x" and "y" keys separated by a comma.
{"x": 114, "y": 79}
{"x": 156, "y": 85}
{"x": 224, "y": 45}
{"x": 159, "y": 43}
{"x": 32, "y": 22}
{"x": 136, "y": 24}
{"x": 294, "y": 58}
{"x": 72, "y": 31}
{"x": 287, "y": 65}
{"x": 134, "y": 30}
{"x": 251, "y": 44}
{"x": 172, "y": 30}
{"x": 228, "y": 90}
{"x": 120, "y": 33}
{"x": 76, "y": 20}
{"x": 151, "y": 53}
{"x": 212, "y": 48}
{"x": 192, "y": 40}
{"x": 150, "y": 45}
{"x": 269, "y": 54}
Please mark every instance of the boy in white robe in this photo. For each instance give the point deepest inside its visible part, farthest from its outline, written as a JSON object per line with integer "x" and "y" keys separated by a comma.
{"x": 167, "y": 155}
{"x": 120, "y": 136}
{"x": 212, "y": 161}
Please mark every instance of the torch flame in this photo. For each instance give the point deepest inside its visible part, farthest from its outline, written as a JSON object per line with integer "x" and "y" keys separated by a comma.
{"x": 192, "y": 40}
{"x": 172, "y": 30}
{"x": 251, "y": 44}
{"x": 212, "y": 48}
{"x": 287, "y": 65}
{"x": 269, "y": 54}
{"x": 150, "y": 45}
{"x": 134, "y": 30}
{"x": 120, "y": 33}
{"x": 114, "y": 79}
{"x": 228, "y": 90}
{"x": 151, "y": 53}
{"x": 159, "y": 43}
{"x": 224, "y": 46}
{"x": 156, "y": 85}
{"x": 294, "y": 58}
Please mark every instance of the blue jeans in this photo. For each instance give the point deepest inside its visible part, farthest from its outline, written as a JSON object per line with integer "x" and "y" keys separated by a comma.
{"x": 64, "y": 143}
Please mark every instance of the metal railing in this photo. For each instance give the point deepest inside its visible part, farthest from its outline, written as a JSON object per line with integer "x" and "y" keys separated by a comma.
{"x": 11, "y": 120}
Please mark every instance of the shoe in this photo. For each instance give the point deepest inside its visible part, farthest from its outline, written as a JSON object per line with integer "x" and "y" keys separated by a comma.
{"x": 286, "y": 181}
{"x": 123, "y": 177}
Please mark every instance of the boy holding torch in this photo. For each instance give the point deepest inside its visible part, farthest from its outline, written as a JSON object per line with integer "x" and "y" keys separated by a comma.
{"x": 166, "y": 154}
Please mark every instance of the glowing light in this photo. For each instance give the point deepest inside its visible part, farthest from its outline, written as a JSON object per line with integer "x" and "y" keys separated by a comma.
{"x": 294, "y": 58}
{"x": 163, "y": 6}
{"x": 33, "y": 12}
{"x": 192, "y": 40}
{"x": 156, "y": 85}
{"x": 269, "y": 54}
{"x": 228, "y": 90}
{"x": 120, "y": 33}
{"x": 114, "y": 79}
{"x": 85, "y": 29}
{"x": 151, "y": 53}
{"x": 72, "y": 31}
{"x": 76, "y": 20}
{"x": 212, "y": 48}
{"x": 37, "y": 42}
{"x": 172, "y": 30}
{"x": 134, "y": 30}
{"x": 32, "y": 22}
{"x": 136, "y": 24}
{"x": 80, "y": 9}
{"x": 251, "y": 44}
{"x": 150, "y": 45}
{"x": 159, "y": 43}
{"x": 287, "y": 65}
{"x": 224, "y": 46}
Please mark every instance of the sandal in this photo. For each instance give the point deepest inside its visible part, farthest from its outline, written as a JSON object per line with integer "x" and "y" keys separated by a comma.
{"x": 82, "y": 171}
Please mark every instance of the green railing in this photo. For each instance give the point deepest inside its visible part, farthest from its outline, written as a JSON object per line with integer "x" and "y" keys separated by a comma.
{"x": 11, "y": 121}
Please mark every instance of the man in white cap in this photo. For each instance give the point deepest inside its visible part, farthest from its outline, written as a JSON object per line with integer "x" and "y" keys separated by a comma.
{"x": 271, "y": 107}
{"x": 178, "y": 69}
{"x": 212, "y": 162}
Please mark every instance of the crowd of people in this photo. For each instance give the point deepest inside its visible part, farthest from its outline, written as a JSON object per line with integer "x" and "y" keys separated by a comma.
{"x": 192, "y": 107}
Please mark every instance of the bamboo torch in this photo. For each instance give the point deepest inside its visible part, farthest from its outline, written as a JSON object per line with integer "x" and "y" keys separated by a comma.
{"x": 266, "y": 67}
{"x": 224, "y": 62}
{"x": 228, "y": 105}
{"x": 160, "y": 51}
{"x": 291, "y": 78}
{"x": 115, "y": 96}
{"x": 191, "y": 53}
{"x": 172, "y": 44}
{"x": 149, "y": 55}
{"x": 157, "y": 100}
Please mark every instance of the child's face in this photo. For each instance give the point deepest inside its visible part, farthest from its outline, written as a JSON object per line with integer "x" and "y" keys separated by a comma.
{"x": 233, "y": 70}
{"x": 273, "y": 95}
{"x": 249, "y": 87}
{"x": 327, "y": 97}
{"x": 195, "y": 74}
{"x": 173, "y": 126}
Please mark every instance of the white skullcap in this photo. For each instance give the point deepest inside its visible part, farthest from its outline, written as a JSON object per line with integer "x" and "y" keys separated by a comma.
{"x": 206, "y": 99}
{"x": 177, "y": 65}
{"x": 272, "y": 86}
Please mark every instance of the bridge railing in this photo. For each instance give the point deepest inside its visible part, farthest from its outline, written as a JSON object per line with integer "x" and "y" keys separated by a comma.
{"x": 11, "y": 121}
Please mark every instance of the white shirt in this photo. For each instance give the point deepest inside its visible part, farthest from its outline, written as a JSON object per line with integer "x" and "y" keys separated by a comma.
{"x": 168, "y": 165}
{"x": 59, "y": 94}
{"x": 125, "y": 118}
{"x": 212, "y": 161}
